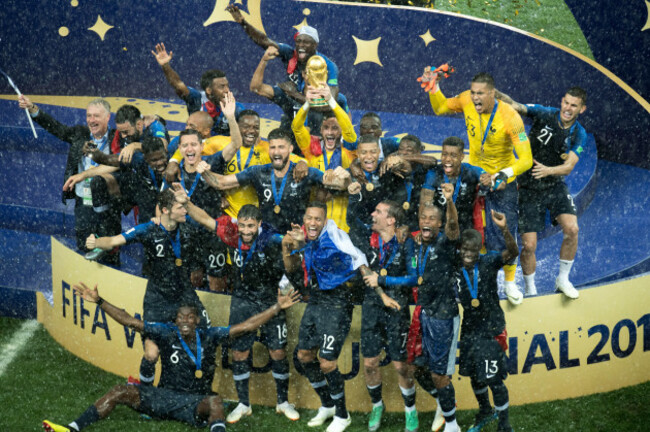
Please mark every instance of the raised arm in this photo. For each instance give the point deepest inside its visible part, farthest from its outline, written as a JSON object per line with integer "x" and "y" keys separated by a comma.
{"x": 228, "y": 107}
{"x": 257, "y": 82}
{"x": 520, "y": 108}
{"x": 254, "y": 322}
{"x": 292, "y": 241}
{"x": 105, "y": 243}
{"x": 452, "y": 228}
{"x": 196, "y": 213}
{"x": 512, "y": 250}
{"x": 163, "y": 58}
{"x": 217, "y": 181}
{"x": 114, "y": 312}
{"x": 257, "y": 36}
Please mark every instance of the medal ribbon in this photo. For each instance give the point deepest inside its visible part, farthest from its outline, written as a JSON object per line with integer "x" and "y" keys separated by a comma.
{"x": 196, "y": 181}
{"x": 422, "y": 261}
{"x": 573, "y": 126}
{"x": 472, "y": 292}
{"x": 249, "y": 255}
{"x": 457, "y": 188}
{"x": 336, "y": 158}
{"x": 163, "y": 186}
{"x": 176, "y": 244}
{"x": 101, "y": 144}
{"x": 487, "y": 129}
{"x": 393, "y": 251}
{"x": 196, "y": 359}
{"x": 409, "y": 188}
{"x": 277, "y": 197}
{"x": 248, "y": 159}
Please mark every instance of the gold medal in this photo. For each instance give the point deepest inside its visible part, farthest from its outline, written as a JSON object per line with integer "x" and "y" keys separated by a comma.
{"x": 564, "y": 156}
{"x": 276, "y": 209}
{"x": 370, "y": 187}
{"x": 198, "y": 374}
{"x": 406, "y": 205}
{"x": 179, "y": 262}
{"x": 475, "y": 303}
{"x": 383, "y": 272}
{"x": 420, "y": 280}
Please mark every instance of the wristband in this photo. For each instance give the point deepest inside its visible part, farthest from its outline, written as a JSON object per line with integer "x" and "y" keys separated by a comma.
{"x": 99, "y": 302}
{"x": 332, "y": 103}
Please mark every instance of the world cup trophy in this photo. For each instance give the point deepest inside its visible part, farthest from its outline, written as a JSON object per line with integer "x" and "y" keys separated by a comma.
{"x": 316, "y": 71}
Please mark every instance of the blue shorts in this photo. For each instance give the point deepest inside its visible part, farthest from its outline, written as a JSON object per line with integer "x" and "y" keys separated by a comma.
{"x": 273, "y": 334}
{"x": 168, "y": 404}
{"x": 383, "y": 328}
{"x": 439, "y": 343}
{"x": 324, "y": 327}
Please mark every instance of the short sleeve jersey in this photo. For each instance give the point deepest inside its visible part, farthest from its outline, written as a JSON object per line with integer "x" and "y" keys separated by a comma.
{"x": 196, "y": 101}
{"x": 436, "y": 265}
{"x": 549, "y": 142}
{"x": 178, "y": 368}
{"x": 165, "y": 276}
{"x": 466, "y": 184}
{"x": 287, "y": 53}
{"x": 398, "y": 261}
{"x": 487, "y": 320}
{"x": 292, "y": 201}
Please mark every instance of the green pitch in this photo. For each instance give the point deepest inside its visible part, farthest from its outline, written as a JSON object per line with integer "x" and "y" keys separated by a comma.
{"x": 45, "y": 381}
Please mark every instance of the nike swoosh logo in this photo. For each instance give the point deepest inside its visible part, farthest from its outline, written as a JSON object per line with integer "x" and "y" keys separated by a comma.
{"x": 489, "y": 376}
{"x": 176, "y": 347}
{"x": 158, "y": 240}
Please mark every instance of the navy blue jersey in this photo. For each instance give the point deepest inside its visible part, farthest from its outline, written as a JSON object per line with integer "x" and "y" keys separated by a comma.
{"x": 465, "y": 188}
{"x": 146, "y": 185}
{"x": 549, "y": 141}
{"x": 407, "y": 190}
{"x": 203, "y": 195}
{"x": 361, "y": 205}
{"x": 487, "y": 319}
{"x": 178, "y": 368}
{"x": 293, "y": 200}
{"x": 198, "y": 101}
{"x": 387, "y": 145}
{"x": 255, "y": 273}
{"x": 398, "y": 262}
{"x": 436, "y": 265}
{"x": 169, "y": 279}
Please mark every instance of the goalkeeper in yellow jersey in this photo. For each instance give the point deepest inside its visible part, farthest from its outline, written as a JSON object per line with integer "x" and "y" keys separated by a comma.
{"x": 497, "y": 143}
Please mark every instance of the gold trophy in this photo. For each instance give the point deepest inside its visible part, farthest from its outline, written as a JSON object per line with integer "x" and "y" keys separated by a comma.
{"x": 316, "y": 71}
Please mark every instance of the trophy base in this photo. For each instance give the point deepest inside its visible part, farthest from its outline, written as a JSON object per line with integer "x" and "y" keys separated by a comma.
{"x": 320, "y": 102}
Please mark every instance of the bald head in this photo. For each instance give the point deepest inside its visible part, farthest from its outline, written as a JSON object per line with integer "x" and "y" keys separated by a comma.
{"x": 200, "y": 121}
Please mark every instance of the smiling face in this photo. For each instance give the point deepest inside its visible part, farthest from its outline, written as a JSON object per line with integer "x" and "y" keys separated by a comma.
{"x": 190, "y": 147}
{"x": 305, "y": 47}
{"x": 314, "y": 221}
{"x": 279, "y": 152}
{"x": 97, "y": 119}
{"x": 381, "y": 221}
{"x": 187, "y": 320}
{"x": 330, "y": 130}
{"x": 482, "y": 96}
{"x": 370, "y": 125}
{"x": 157, "y": 160}
{"x": 248, "y": 229}
{"x": 469, "y": 251}
{"x": 570, "y": 108}
{"x": 130, "y": 133}
{"x": 451, "y": 159}
{"x": 430, "y": 221}
{"x": 368, "y": 154}
{"x": 249, "y": 127}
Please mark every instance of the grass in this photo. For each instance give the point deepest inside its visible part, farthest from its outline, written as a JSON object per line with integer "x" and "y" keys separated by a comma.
{"x": 551, "y": 19}
{"x": 46, "y": 382}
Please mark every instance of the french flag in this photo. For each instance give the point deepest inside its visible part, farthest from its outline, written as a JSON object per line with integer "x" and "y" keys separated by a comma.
{"x": 333, "y": 257}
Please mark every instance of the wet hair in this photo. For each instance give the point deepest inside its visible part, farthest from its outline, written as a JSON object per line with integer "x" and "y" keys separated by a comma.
{"x": 470, "y": 235}
{"x": 209, "y": 75}
{"x": 418, "y": 144}
{"x": 101, "y": 102}
{"x": 166, "y": 200}
{"x": 151, "y": 144}
{"x": 128, "y": 113}
{"x": 318, "y": 204}
{"x": 485, "y": 78}
{"x": 249, "y": 211}
{"x": 369, "y": 138}
{"x": 578, "y": 92}
{"x": 187, "y": 132}
{"x": 395, "y": 211}
{"x": 373, "y": 115}
{"x": 454, "y": 141}
{"x": 328, "y": 115}
{"x": 247, "y": 113}
{"x": 279, "y": 133}
{"x": 431, "y": 205}
{"x": 194, "y": 308}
